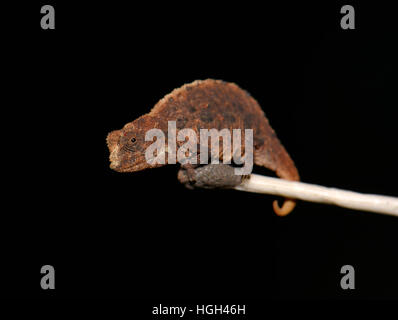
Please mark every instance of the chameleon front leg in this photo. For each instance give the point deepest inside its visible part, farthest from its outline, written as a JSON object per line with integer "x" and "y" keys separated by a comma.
{"x": 210, "y": 176}
{"x": 190, "y": 172}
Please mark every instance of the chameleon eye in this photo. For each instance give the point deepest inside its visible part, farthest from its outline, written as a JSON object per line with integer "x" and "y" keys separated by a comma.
{"x": 133, "y": 140}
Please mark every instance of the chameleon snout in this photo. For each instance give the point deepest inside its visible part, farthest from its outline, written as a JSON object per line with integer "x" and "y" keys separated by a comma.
{"x": 115, "y": 162}
{"x": 114, "y": 158}
{"x": 113, "y": 147}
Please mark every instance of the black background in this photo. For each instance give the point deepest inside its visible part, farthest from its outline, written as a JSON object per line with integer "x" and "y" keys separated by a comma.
{"x": 330, "y": 94}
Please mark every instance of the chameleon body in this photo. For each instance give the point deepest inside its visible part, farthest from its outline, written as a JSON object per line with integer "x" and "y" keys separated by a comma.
{"x": 204, "y": 104}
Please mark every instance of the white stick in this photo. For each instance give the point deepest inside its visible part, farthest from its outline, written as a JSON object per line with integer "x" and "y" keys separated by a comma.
{"x": 315, "y": 193}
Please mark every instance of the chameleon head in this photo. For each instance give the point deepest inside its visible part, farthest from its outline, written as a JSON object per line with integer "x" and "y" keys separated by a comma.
{"x": 127, "y": 148}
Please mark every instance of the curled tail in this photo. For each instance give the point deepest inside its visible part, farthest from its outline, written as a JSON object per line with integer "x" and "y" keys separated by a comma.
{"x": 274, "y": 156}
{"x": 287, "y": 207}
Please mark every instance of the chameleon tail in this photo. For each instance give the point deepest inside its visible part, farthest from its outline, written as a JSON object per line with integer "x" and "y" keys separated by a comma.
{"x": 279, "y": 161}
{"x": 286, "y": 170}
{"x": 287, "y": 207}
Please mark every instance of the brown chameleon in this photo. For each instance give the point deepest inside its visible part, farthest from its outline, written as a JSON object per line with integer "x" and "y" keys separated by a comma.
{"x": 204, "y": 104}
